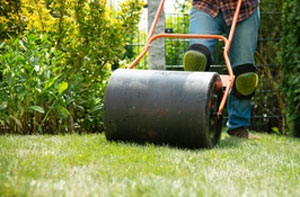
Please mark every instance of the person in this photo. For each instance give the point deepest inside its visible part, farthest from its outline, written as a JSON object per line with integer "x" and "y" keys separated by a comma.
{"x": 215, "y": 17}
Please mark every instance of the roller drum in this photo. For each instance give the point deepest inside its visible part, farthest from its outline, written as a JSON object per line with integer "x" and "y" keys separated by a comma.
{"x": 163, "y": 107}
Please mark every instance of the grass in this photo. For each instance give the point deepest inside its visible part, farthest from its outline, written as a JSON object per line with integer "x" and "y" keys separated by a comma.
{"x": 88, "y": 165}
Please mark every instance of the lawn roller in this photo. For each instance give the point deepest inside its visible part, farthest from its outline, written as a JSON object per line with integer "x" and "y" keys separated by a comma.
{"x": 182, "y": 109}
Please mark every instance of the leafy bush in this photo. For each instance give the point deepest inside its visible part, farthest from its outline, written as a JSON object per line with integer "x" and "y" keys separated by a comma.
{"x": 32, "y": 86}
{"x": 54, "y": 74}
{"x": 10, "y": 20}
{"x": 289, "y": 58}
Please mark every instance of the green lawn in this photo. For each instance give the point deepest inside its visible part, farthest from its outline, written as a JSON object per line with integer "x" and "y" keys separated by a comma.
{"x": 88, "y": 165}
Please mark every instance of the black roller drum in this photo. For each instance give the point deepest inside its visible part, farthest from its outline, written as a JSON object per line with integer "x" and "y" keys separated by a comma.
{"x": 163, "y": 107}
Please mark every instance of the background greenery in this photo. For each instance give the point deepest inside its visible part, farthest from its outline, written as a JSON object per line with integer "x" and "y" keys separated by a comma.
{"x": 55, "y": 62}
{"x": 289, "y": 58}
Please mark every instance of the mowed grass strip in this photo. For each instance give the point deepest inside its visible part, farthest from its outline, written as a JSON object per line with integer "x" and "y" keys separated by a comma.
{"x": 88, "y": 165}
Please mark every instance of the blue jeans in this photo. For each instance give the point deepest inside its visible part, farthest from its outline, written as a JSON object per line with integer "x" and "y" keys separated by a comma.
{"x": 241, "y": 52}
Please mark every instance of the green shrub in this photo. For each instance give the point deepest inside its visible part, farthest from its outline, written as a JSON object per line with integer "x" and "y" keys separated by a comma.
{"x": 289, "y": 58}
{"x": 55, "y": 70}
{"x": 32, "y": 86}
{"x": 10, "y": 20}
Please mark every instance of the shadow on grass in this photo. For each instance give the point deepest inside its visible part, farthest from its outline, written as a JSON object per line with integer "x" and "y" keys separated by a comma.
{"x": 227, "y": 142}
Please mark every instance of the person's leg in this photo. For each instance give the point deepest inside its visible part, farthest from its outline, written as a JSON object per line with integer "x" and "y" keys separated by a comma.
{"x": 198, "y": 55}
{"x": 203, "y": 23}
{"x": 244, "y": 43}
{"x": 242, "y": 53}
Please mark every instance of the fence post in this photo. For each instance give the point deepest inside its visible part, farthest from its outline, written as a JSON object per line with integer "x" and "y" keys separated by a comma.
{"x": 156, "y": 58}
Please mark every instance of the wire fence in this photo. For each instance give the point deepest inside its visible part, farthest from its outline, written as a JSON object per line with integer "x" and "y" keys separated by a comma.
{"x": 267, "y": 112}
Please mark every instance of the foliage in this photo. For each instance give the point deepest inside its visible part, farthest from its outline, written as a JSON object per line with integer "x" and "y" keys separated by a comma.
{"x": 88, "y": 165}
{"x": 66, "y": 49}
{"x": 175, "y": 48}
{"x": 178, "y": 23}
{"x": 32, "y": 85}
{"x": 133, "y": 50}
{"x": 10, "y": 18}
{"x": 289, "y": 58}
{"x": 268, "y": 103}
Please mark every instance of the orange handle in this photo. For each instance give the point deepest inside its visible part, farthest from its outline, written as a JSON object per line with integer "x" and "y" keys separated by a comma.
{"x": 227, "y": 42}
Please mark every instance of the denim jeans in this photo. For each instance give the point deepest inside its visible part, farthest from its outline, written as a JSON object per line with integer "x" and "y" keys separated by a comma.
{"x": 241, "y": 52}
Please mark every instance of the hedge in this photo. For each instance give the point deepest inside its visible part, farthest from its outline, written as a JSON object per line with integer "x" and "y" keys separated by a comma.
{"x": 289, "y": 58}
